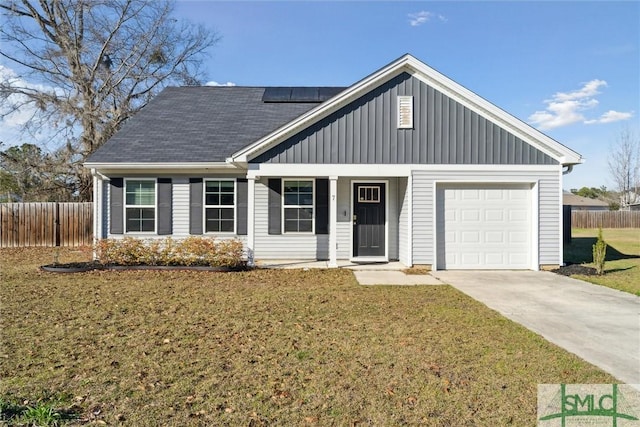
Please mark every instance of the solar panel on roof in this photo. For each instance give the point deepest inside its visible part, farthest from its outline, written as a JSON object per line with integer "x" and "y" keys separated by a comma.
{"x": 299, "y": 94}
{"x": 276, "y": 94}
{"x": 304, "y": 94}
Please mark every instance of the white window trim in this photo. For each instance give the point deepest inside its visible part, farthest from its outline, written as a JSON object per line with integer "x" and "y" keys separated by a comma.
{"x": 155, "y": 207}
{"x": 313, "y": 206}
{"x": 400, "y": 100}
{"x": 205, "y": 206}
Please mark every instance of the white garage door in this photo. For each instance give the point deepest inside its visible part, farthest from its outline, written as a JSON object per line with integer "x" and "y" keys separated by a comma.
{"x": 484, "y": 226}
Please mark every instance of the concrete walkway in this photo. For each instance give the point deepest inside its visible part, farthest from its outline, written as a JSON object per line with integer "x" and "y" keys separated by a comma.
{"x": 599, "y": 324}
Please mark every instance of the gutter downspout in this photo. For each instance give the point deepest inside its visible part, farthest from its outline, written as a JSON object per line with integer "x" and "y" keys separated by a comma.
{"x": 568, "y": 169}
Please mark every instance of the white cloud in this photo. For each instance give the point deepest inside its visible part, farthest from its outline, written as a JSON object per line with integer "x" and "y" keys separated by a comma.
{"x": 214, "y": 83}
{"x": 610, "y": 117}
{"x": 566, "y": 108}
{"x": 424, "y": 16}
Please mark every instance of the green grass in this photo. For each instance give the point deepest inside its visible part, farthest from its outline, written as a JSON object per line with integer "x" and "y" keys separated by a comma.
{"x": 265, "y": 348}
{"x": 622, "y": 266}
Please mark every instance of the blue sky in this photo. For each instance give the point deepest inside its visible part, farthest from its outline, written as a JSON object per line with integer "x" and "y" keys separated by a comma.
{"x": 570, "y": 69}
{"x": 575, "y": 64}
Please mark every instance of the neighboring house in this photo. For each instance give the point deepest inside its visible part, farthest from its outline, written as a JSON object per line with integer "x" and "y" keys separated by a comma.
{"x": 579, "y": 203}
{"x": 403, "y": 165}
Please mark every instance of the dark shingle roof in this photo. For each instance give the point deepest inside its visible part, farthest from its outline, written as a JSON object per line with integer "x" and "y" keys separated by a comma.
{"x": 197, "y": 124}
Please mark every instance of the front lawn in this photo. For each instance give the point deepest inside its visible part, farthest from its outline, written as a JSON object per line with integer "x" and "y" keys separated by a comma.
{"x": 264, "y": 348}
{"x": 622, "y": 266}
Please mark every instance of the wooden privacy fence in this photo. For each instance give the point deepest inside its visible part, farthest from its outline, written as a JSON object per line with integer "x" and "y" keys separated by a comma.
{"x": 45, "y": 224}
{"x": 605, "y": 219}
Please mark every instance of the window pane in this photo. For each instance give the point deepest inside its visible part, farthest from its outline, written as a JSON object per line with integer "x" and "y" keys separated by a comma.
{"x": 305, "y": 226}
{"x": 140, "y": 192}
{"x": 305, "y": 213}
{"x": 212, "y": 199}
{"x": 219, "y": 220}
{"x": 219, "y": 193}
{"x": 212, "y": 186}
{"x": 306, "y": 199}
{"x": 140, "y": 219}
{"x": 226, "y": 199}
{"x": 226, "y": 186}
{"x": 226, "y": 226}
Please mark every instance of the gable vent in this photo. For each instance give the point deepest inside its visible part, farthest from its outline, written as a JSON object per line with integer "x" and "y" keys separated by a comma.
{"x": 405, "y": 112}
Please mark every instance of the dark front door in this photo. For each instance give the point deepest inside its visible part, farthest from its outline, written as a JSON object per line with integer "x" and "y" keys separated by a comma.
{"x": 368, "y": 219}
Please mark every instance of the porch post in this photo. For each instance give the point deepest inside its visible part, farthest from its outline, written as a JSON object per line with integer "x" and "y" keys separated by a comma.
{"x": 333, "y": 221}
{"x": 251, "y": 226}
{"x": 96, "y": 214}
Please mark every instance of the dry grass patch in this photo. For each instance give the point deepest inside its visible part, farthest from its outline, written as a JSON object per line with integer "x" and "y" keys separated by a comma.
{"x": 266, "y": 348}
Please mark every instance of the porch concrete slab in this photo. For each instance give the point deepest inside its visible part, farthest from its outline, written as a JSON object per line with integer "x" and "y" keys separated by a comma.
{"x": 387, "y": 277}
{"x": 599, "y": 324}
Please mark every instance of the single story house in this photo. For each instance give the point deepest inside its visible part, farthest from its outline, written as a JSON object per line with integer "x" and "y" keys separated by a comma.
{"x": 404, "y": 165}
{"x": 579, "y": 203}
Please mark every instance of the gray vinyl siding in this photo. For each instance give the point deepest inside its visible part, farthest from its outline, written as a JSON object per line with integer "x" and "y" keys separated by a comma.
{"x": 287, "y": 245}
{"x": 550, "y": 220}
{"x": 422, "y": 217}
{"x": 366, "y": 132}
{"x": 403, "y": 222}
{"x": 549, "y": 213}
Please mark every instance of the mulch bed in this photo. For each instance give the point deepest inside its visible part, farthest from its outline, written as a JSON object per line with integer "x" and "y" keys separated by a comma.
{"x": 571, "y": 269}
{"x": 80, "y": 267}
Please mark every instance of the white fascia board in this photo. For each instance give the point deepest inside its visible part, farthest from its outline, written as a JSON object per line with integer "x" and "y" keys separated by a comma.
{"x": 476, "y": 103}
{"x": 340, "y": 100}
{"x": 323, "y": 170}
{"x": 158, "y": 167}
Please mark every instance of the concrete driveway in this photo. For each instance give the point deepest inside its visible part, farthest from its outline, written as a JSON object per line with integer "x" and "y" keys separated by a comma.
{"x": 599, "y": 324}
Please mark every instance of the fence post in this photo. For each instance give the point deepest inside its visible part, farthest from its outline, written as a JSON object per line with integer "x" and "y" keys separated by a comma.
{"x": 57, "y": 223}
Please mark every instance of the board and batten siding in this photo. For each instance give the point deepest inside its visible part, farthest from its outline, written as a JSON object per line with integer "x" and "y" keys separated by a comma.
{"x": 287, "y": 245}
{"x": 549, "y": 213}
{"x": 365, "y": 132}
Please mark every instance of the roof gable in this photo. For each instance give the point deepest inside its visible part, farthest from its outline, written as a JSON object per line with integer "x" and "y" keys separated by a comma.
{"x": 366, "y": 131}
{"x": 408, "y": 64}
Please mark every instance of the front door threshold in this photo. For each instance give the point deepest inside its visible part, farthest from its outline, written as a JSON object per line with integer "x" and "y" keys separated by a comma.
{"x": 369, "y": 260}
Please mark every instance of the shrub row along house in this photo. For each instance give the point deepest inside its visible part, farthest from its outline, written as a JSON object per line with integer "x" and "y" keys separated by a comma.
{"x": 403, "y": 165}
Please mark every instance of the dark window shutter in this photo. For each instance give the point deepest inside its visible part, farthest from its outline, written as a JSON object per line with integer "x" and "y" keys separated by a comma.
{"x": 116, "y": 202}
{"x": 195, "y": 205}
{"x": 165, "y": 216}
{"x": 322, "y": 206}
{"x": 241, "y": 206}
{"x": 275, "y": 206}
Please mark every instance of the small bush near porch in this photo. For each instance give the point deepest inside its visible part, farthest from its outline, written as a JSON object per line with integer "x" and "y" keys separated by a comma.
{"x": 264, "y": 348}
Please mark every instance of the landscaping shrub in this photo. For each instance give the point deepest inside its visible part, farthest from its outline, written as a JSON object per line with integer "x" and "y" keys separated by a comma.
{"x": 192, "y": 251}
{"x": 599, "y": 253}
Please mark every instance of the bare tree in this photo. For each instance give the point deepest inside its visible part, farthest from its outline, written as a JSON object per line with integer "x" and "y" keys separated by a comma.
{"x": 624, "y": 166}
{"x": 91, "y": 65}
